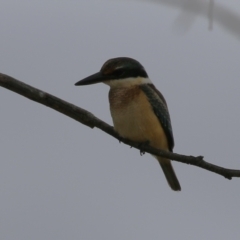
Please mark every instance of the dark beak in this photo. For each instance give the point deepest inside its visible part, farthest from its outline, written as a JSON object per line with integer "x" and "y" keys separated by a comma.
{"x": 95, "y": 78}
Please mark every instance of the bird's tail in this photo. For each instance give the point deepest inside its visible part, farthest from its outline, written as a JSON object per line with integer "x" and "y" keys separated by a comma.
{"x": 169, "y": 173}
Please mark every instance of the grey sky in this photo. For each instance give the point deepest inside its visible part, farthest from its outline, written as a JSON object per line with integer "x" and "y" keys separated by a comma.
{"x": 61, "y": 180}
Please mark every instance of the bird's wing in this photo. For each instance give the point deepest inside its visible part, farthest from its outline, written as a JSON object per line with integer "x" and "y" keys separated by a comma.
{"x": 160, "y": 108}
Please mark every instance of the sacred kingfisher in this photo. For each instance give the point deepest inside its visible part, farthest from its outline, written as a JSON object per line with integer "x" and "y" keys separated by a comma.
{"x": 139, "y": 111}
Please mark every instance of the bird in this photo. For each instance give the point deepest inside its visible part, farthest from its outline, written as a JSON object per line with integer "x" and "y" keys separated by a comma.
{"x": 138, "y": 109}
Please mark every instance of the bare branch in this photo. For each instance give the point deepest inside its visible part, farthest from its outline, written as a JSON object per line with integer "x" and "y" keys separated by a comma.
{"x": 90, "y": 120}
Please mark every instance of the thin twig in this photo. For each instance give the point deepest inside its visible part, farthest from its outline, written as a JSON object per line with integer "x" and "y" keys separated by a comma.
{"x": 90, "y": 120}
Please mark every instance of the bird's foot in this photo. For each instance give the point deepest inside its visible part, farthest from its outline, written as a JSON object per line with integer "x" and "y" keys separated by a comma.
{"x": 120, "y": 139}
{"x": 141, "y": 145}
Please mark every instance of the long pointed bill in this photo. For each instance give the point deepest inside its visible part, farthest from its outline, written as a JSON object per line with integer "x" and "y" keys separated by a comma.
{"x": 92, "y": 79}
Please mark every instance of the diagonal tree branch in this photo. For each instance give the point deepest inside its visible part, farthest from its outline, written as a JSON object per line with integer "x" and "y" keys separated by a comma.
{"x": 90, "y": 120}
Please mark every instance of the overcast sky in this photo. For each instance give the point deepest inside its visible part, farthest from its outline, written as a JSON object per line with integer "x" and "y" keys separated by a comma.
{"x": 62, "y": 180}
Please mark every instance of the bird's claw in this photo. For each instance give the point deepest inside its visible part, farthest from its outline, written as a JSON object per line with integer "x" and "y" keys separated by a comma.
{"x": 141, "y": 145}
{"x": 120, "y": 139}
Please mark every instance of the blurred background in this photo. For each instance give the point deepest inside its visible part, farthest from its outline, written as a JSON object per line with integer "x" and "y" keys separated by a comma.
{"x": 62, "y": 180}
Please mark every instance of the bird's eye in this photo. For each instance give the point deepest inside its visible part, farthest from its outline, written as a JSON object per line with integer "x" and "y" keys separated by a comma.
{"x": 119, "y": 72}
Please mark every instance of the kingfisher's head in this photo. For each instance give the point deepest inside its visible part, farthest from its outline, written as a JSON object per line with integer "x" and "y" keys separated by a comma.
{"x": 118, "y": 72}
